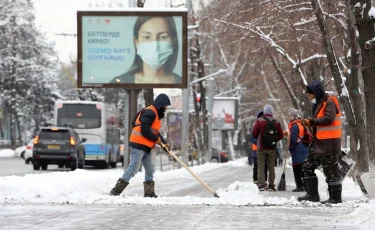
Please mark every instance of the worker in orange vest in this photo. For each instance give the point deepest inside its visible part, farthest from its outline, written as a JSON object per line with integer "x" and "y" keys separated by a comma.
{"x": 144, "y": 136}
{"x": 326, "y": 145}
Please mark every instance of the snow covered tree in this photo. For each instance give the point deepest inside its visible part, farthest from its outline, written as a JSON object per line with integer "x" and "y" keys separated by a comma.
{"x": 27, "y": 68}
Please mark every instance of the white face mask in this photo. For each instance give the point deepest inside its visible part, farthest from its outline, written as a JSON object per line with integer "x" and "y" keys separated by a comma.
{"x": 313, "y": 100}
{"x": 155, "y": 53}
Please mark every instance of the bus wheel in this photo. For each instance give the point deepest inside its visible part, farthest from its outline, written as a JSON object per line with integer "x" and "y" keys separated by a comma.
{"x": 113, "y": 164}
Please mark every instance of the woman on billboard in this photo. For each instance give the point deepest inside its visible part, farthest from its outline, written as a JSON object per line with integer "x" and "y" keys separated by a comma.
{"x": 156, "y": 44}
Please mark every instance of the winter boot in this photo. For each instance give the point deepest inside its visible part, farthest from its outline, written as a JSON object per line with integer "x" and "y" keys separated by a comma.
{"x": 119, "y": 187}
{"x": 312, "y": 193}
{"x": 149, "y": 187}
{"x": 334, "y": 194}
{"x": 298, "y": 178}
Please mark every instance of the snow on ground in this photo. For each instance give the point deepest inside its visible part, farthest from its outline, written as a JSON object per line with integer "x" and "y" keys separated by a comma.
{"x": 92, "y": 187}
{"x": 6, "y": 153}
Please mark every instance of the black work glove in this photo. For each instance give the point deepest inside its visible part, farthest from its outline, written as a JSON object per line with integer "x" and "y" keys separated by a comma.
{"x": 165, "y": 147}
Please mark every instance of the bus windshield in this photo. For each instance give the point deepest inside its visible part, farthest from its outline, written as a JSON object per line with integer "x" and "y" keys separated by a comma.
{"x": 79, "y": 116}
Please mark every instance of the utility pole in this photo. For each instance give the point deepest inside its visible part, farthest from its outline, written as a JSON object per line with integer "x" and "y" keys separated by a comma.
{"x": 185, "y": 108}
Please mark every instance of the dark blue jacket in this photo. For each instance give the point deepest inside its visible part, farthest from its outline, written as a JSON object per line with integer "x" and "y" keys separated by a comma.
{"x": 298, "y": 150}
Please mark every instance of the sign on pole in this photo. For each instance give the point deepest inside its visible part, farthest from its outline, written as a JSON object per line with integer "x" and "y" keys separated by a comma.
{"x": 133, "y": 49}
{"x": 225, "y": 113}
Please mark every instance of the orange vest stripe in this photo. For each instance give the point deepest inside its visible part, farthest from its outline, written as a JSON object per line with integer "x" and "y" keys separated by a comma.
{"x": 333, "y": 130}
{"x": 136, "y": 135}
{"x": 300, "y": 128}
{"x": 254, "y": 147}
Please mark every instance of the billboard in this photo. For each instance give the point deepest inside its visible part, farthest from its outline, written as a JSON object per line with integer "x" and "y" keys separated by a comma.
{"x": 132, "y": 49}
{"x": 225, "y": 113}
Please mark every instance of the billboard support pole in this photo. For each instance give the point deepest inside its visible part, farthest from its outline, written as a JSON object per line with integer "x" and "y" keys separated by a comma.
{"x": 185, "y": 130}
{"x": 131, "y": 108}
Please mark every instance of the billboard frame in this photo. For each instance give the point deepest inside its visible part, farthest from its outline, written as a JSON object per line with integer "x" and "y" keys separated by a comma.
{"x": 132, "y": 12}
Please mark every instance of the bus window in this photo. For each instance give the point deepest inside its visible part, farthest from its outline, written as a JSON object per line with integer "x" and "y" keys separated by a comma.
{"x": 79, "y": 116}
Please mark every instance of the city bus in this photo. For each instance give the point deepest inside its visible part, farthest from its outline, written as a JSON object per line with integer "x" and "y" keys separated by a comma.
{"x": 98, "y": 123}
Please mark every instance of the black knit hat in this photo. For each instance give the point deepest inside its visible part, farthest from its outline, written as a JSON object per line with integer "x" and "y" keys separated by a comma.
{"x": 308, "y": 90}
{"x": 162, "y": 100}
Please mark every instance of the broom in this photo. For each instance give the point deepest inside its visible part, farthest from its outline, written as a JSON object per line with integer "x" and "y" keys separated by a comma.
{"x": 282, "y": 184}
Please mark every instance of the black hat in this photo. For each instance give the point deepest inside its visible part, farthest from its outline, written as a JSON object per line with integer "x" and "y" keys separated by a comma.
{"x": 162, "y": 100}
{"x": 308, "y": 90}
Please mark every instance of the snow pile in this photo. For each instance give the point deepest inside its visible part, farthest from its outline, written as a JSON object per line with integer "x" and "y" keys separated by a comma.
{"x": 92, "y": 187}
{"x": 6, "y": 153}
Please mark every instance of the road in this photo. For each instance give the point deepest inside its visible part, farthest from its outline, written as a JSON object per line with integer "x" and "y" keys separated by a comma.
{"x": 15, "y": 166}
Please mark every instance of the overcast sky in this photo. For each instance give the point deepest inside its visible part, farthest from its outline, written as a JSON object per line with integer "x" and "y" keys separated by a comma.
{"x": 59, "y": 16}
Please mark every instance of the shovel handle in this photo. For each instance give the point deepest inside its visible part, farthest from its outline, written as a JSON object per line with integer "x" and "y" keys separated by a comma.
{"x": 189, "y": 170}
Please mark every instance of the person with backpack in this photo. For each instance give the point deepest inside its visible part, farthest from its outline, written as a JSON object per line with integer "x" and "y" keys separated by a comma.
{"x": 325, "y": 148}
{"x": 254, "y": 148}
{"x": 267, "y": 131}
{"x": 145, "y": 134}
{"x": 297, "y": 148}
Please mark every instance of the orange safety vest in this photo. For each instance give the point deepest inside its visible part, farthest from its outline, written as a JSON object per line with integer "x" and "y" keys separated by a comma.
{"x": 333, "y": 130}
{"x": 300, "y": 128}
{"x": 136, "y": 135}
{"x": 254, "y": 147}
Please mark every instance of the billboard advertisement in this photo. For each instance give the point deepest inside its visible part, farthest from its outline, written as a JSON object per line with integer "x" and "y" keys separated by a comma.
{"x": 132, "y": 49}
{"x": 225, "y": 113}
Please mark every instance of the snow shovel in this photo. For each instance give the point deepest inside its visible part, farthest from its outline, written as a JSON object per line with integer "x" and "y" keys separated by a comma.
{"x": 282, "y": 184}
{"x": 191, "y": 172}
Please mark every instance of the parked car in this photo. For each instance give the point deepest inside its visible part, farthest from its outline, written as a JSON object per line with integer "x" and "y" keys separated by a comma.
{"x": 28, "y": 155}
{"x": 60, "y": 146}
{"x": 20, "y": 151}
{"x": 215, "y": 155}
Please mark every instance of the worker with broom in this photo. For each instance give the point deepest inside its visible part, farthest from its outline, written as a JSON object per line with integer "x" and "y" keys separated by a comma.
{"x": 326, "y": 144}
{"x": 267, "y": 130}
{"x": 297, "y": 148}
{"x": 144, "y": 136}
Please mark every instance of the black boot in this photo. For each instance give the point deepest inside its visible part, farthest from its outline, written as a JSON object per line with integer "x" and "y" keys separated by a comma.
{"x": 312, "y": 193}
{"x": 334, "y": 194}
{"x": 149, "y": 187}
{"x": 119, "y": 187}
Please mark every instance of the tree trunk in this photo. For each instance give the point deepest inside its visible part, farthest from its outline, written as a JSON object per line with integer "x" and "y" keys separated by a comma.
{"x": 19, "y": 130}
{"x": 366, "y": 31}
{"x": 358, "y": 124}
{"x": 292, "y": 96}
{"x": 148, "y": 95}
{"x": 352, "y": 117}
{"x": 12, "y": 132}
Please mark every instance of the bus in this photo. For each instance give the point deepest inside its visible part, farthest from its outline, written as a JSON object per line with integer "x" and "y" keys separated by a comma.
{"x": 99, "y": 123}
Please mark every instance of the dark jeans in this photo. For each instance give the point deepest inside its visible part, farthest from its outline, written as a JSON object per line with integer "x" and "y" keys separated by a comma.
{"x": 255, "y": 169}
{"x": 249, "y": 158}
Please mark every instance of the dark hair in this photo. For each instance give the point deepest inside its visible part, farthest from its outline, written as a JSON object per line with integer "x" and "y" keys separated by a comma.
{"x": 170, "y": 64}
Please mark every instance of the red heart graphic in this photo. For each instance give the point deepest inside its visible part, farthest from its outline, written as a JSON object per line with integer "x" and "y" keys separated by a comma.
{"x": 107, "y": 21}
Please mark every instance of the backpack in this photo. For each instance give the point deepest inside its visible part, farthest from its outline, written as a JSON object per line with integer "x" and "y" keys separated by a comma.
{"x": 307, "y": 136}
{"x": 270, "y": 137}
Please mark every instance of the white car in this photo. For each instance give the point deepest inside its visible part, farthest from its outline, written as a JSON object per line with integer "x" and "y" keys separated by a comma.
{"x": 20, "y": 151}
{"x": 29, "y": 152}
